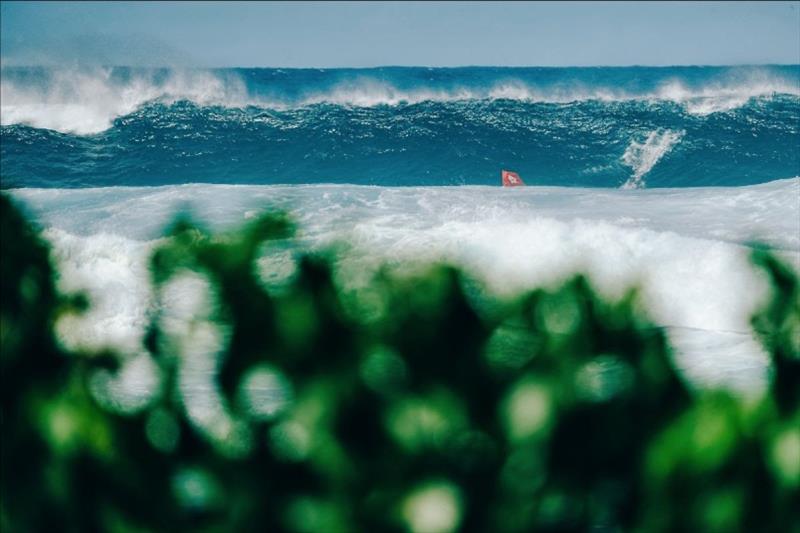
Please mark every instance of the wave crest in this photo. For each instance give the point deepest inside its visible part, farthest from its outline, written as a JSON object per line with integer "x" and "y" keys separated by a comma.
{"x": 87, "y": 101}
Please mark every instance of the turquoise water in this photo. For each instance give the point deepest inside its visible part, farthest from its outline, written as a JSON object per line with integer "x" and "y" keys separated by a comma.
{"x": 588, "y": 127}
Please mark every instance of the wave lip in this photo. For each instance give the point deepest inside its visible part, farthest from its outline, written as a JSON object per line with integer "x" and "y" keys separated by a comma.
{"x": 87, "y": 101}
{"x": 718, "y": 97}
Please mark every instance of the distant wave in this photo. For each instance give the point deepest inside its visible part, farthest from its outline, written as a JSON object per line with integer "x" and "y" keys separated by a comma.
{"x": 87, "y": 101}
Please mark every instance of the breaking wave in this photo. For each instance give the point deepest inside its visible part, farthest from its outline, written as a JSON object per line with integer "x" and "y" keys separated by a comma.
{"x": 104, "y": 157}
{"x": 600, "y": 127}
{"x": 87, "y": 100}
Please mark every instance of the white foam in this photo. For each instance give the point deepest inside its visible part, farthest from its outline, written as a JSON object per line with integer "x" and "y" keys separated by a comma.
{"x": 686, "y": 248}
{"x": 642, "y": 157}
{"x": 719, "y": 97}
{"x": 716, "y": 104}
{"x": 87, "y": 101}
{"x": 367, "y": 92}
{"x": 112, "y": 270}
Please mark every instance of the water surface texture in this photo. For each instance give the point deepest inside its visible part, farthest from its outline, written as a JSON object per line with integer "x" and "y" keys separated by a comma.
{"x": 654, "y": 177}
{"x": 600, "y": 127}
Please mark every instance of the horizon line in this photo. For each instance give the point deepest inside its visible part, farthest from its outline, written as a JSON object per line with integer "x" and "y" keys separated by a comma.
{"x": 209, "y": 67}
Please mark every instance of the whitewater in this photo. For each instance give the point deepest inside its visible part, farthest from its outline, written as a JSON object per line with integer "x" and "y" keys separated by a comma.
{"x": 659, "y": 178}
{"x": 587, "y": 127}
{"x": 687, "y": 249}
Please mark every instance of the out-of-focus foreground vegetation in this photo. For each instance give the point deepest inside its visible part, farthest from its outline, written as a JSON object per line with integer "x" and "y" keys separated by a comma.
{"x": 398, "y": 407}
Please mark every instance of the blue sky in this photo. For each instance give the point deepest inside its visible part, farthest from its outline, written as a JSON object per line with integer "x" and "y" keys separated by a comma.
{"x": 363, "y": 34}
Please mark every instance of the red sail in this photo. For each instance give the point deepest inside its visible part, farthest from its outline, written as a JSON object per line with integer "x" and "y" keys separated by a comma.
{"x": 511, "y": 179}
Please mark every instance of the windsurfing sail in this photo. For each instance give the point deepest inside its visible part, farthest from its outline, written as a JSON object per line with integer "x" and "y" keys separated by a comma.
{"x": 511, "y": 179}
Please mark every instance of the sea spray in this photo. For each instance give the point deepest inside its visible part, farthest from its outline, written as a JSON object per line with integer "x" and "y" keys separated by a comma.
{"x": 398, "y": 126}
{"x": 87, "y": 101}
{"x": 643, "y": 156}
{"x": 106, "y": 93}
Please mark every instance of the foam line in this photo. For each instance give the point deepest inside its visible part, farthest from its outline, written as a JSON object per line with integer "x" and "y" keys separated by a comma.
{"x": 686, "y": 248}
{"x": 87, "y": 101}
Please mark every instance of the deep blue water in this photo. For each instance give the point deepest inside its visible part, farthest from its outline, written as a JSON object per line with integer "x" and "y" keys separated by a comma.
{"x": 653, "y": 127}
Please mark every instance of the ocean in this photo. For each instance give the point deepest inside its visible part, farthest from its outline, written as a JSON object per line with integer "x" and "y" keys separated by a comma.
{"x": 656, "y": 177}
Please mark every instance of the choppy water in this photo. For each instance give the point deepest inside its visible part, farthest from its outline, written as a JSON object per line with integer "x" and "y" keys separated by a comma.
{"x": 601, "y": 127}
{"x": 404, "y": 164}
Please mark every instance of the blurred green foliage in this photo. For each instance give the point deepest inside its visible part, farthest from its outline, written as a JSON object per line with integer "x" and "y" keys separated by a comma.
{"x": 395, "y": 407}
